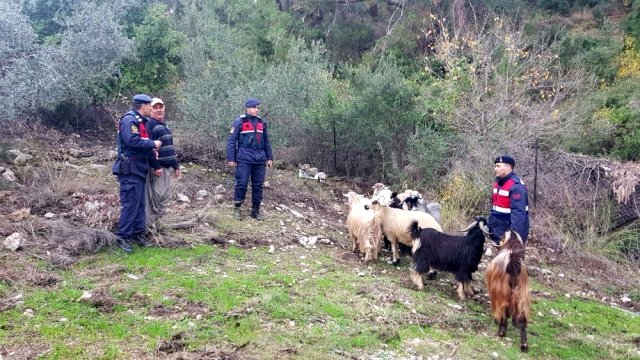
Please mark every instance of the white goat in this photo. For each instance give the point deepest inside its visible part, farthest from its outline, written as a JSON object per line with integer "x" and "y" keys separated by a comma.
{"x": 395, "y": 225}
{"x": 364, "y": 230}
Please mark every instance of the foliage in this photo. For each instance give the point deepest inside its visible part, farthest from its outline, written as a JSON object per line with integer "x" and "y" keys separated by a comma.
{"x": 158, "y": 46}
{"x": 500, "y": 89}
{"x": 219, "y": 75}
{"x": 71, "y": 70}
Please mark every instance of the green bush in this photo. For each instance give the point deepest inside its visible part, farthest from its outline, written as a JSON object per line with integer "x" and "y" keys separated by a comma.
{"x": 157, "y": 56}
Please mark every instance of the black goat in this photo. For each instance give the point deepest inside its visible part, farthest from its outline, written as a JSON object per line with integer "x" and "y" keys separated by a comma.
{"x": 459, "y": 255}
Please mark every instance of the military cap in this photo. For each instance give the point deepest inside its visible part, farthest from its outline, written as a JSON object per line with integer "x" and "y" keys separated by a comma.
{"x": 251, "y": 102}
{"x": 506, "y": 159}
{"x": 141, "y": 99}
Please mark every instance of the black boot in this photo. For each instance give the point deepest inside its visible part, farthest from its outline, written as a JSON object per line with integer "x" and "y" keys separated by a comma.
{"x": 123, "y": 244}
{"x": 141, "y": 240}
{"x": 255, "y": 211}
{"x": 237, "y": 213}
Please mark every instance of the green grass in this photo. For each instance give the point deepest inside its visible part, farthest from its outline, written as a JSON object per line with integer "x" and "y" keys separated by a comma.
{"x": 268, "y": 303}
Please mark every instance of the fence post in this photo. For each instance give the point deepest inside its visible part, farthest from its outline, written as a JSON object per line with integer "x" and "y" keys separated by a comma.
{"x": 535, "y": 173}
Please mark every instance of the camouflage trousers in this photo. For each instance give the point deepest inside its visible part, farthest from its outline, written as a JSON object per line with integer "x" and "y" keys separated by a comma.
{"x": 156, "y": 195}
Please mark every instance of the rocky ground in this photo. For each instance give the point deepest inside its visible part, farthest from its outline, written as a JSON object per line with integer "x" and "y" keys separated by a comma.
{"x": 59, "y": 204}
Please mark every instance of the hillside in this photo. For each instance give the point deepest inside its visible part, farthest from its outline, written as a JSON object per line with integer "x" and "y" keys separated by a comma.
{"x": 288, "y": 287}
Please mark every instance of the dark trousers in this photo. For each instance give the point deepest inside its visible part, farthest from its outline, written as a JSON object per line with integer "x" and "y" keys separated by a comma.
{"x": 499, "y": 226}
{"x": 244, "y": 171}
{"x": 132, "y": 201}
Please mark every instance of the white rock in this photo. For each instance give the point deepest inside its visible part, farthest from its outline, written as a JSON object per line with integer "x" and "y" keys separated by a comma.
{"x": 28, "y": 312}
{"x": 625, "y": 298}
{"x": 2, "y": 169}
{"x": 15, "y": 241}
{"x": 63, "y": 319}
{"x": 219, "y": 198}
{"x": 281, "y": 223}
{"x": 199, "y": 317}
{"x": 49, "y": 215}
{"x": 9, "y": 175}
{"x": 320, "y": 176}
{"x": 91, "y": 206}
{"x": 561, "y": 275}
{"x": 272, "y": 249}
{"x": 488, "y": 252}
{"x": 133, "y": 277}
{"x": 313, "y": 240}
{"x": 14, "y": 152}
{"x": 292, "y": 323}
{"x": 96, "y": 167}
{"x": 219, "y": 189}
{"x": 455, "y": 306}
{"x": 22, "y": 158}
{"x": 494, "y": 355}
{"x": 567, "y": 295}
{"x": 202, "y": 193}
{"x": 296, "y": 214}
{"x": 266, "y": 184}
{"x": 324, "y": 241}
{"x": 85, "y": 296}
{"x": 183, "y": 198}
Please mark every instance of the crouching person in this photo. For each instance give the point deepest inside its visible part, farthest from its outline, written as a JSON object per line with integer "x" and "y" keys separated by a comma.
{"x": 158, "y": 186}
{"x": 249, "y": 151}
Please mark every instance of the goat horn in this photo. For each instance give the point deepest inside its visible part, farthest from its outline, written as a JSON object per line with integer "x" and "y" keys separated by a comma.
{"x": 469, "y": 227}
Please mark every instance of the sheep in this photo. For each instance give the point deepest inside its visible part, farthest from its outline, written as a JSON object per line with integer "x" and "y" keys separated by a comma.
{"x": 396, "y": 203}
{"x": 364, "y": 230}
{"x": 395, "y": 224}
{"x": 460, "y": 255}
{"x": 381, "y": 193}
{"x": 508, "y": 286}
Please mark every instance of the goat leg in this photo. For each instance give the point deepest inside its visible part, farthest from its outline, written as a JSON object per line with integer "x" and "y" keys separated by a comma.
{"x": 432, "y": 274}
{"x": 502, "y": 327}
{"x": 394, "y": 252}
{"x": 468, "y": 289}
{"x": 416, "y": 277}
{"x": 522, "y": 324}
{"x": 461, "y": 291}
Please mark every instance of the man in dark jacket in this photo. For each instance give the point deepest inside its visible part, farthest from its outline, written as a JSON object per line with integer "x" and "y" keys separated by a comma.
{"x": 249, "y": 151}
{"x": 158, "y": 185}
{"x": 510, "y": 201}
{"x": 134, "y": 150}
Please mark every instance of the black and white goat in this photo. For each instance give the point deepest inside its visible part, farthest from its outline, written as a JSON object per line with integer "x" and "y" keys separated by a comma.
{"x": 460, "y": 255}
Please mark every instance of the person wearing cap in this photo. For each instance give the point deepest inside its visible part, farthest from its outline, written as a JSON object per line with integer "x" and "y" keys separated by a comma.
{"x": 510, "y": 201}
{"x": 158, "y": 185}
{"x": 131, "y": 167}
{"x": 249, "y": 151}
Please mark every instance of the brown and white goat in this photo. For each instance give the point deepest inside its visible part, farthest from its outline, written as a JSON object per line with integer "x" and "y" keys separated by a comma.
{"x": 508, "y": 286}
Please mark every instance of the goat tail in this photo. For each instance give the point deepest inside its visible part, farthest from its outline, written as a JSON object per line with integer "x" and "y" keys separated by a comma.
{"x": 414, "y": 230}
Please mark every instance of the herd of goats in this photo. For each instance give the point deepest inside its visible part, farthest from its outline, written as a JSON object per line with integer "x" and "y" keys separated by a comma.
{"x": 406, "y": 220}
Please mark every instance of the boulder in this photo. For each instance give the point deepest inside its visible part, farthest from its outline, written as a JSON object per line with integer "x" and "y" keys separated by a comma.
{"x": 9, "y": 175}
{"x": 22, "y": 158}
{"x": 15, "y": 241}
